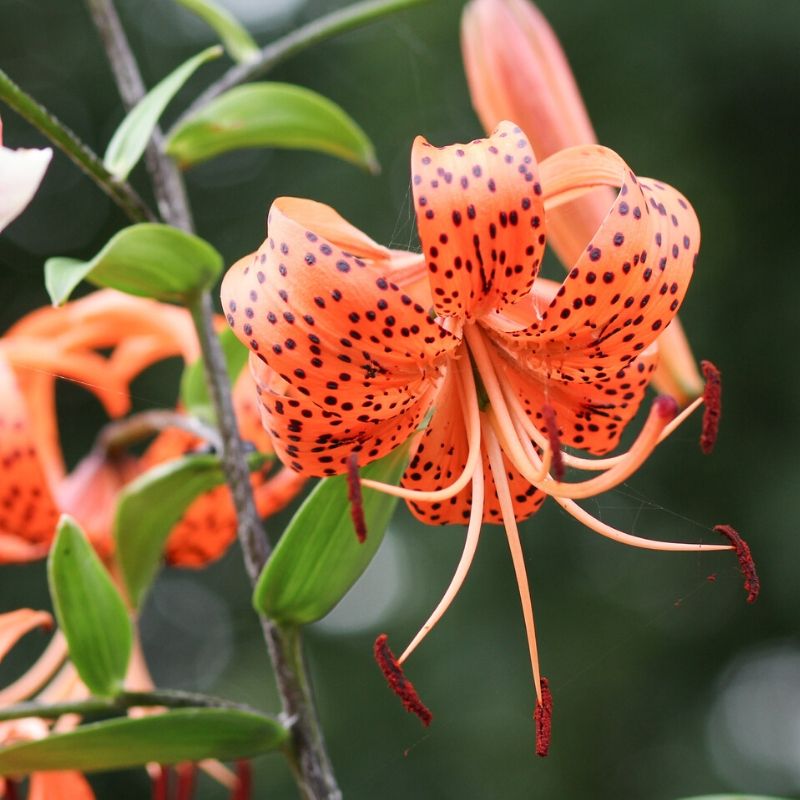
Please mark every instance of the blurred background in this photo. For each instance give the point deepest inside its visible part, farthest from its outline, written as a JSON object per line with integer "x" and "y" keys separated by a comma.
{"x": 666, "y": 684}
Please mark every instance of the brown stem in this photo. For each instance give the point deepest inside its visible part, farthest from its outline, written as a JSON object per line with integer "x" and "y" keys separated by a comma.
{"x": 170, "y": 192}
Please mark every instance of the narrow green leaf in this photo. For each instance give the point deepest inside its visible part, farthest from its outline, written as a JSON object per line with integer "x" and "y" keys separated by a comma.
{"x": 194, "y": 390}
{"x": 184, "y": 735}
{"x": 151, "y": 505}
{"x": 238, "y": 42}
{"x": 318, "y": 557}
{"x": 149, "y": 259}
{"x": 270, "y": 115}
{"x": 131, "y": 137}
{"x": 90, "y": 611}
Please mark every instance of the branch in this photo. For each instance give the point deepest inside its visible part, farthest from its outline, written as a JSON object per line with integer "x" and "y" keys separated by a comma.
{"x": 168, "y": 186}
{"x": 121, "y": 433}
{"x": 165, "y": 698}
{"x": 121, "y": 192}
{"x": 313, "y": 32}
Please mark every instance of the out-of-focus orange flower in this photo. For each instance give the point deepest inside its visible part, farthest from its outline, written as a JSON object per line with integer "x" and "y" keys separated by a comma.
{"x": 517, "y": 70}
{"x": 492, "y": 370}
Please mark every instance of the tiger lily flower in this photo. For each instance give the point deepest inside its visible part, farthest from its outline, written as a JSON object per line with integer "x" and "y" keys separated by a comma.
{"x": 21, "y": 172}
{"x": 516, "y": 69}
{"x": 355, "y": 348}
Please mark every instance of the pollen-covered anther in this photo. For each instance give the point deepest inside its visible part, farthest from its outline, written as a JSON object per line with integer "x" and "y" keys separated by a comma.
{"x": 752, "y": 584}
{"x": 543, "y": 717}
{"x": 355, "y": 498}
{"x": 712, "y": 399}
{"x": 398, "y": 682}
{"x": 557, "y": 458}
{"x": 666, "y": 406}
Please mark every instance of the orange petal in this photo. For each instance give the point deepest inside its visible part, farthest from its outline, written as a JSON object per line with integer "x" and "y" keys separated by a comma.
{"x": 314, "y": 440}
{"x": 66, "y": 785}
{"x": 517, "y": 70}
{"x": 27, "y": 509}
{"x": 629, "y": 282}
{"x": 480, "y": 218}
{"x": 15, "y": 624}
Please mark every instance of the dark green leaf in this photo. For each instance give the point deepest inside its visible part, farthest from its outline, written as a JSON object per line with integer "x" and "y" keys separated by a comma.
{"x": 270, "y": 115}
{"x": 149, "y": 259}
{"x": 238, "y": 42}
{"x": 151, "y": 505}
{"x": 184, "y": 735}
{"x": 194, "y": 390}
{"x": 90, "y": 611}
{"x": 134, "y": 132}
{"x": 734, "y": 797}
{"x": 319, "y": 558}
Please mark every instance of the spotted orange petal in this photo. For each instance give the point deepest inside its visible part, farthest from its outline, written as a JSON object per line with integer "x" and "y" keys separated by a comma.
{"x": 27, "y": 508}
{"x": 629, "y": 282}
{"x": 481, "y": 220}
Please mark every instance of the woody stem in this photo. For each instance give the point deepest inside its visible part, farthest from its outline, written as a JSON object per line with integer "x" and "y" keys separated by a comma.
{"x": 306, "y": 753}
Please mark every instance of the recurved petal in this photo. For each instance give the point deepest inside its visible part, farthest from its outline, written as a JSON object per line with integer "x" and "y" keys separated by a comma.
{"x": 481, "y": 221}
{"x": 631, "y": 278}
{"x": 313, "y": 310}
{"x": 15, "y": 624}
{"x": 316, "y": 438}
{"x": 27, "y": 508}
{"x": 62, "y": 785}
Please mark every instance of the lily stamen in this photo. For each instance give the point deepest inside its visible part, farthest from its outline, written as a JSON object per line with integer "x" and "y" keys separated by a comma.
{"x": 712, "y": 397}
{"x": 398, "y": 682}
{"x": 355, "y": 499}
{"x": 464, "y": 564}
{"x": 543, "y": 717}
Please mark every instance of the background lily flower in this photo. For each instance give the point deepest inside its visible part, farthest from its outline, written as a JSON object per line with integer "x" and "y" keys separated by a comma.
{"x": 516, "y": 69}
{"x": 21, "y": 172}
{"x": 353, "y": 351}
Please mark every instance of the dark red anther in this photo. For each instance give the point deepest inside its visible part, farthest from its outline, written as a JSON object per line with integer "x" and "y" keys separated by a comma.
{"x": 666, "y": 406}
{"x": 752, "y": 584}
{"x": 543, "y": 716}
{"x": 244, "y": 781}
{"x": 186, "y": 776}
{"x": 354, "y": 496}
{"x": 557, "y": 464}
{"x": 398, "y": 682}
{"x": 11, "y": 790}
{"x": 712, "y": 400}
{"x": 161, "y": 783}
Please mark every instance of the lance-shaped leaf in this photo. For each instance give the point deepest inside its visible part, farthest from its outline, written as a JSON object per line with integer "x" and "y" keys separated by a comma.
{"x": 194, "y": 390}
{"x": 238, "y": 42}
{"x": 89, "y": 610}
{"x": 131, "y": 137}
{"x": 270, "y": 115}
{"x": 151, "y": 505}
{"x": 183, "y": 735}
{"x": 149, "y": 259}
{"x": 319, "y": 556}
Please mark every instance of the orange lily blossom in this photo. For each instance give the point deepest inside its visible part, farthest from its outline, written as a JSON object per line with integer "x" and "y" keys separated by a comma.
{"x": 517, "y": 70}
{"x": 355, "y": 347}
{"x": 65, "y": 341}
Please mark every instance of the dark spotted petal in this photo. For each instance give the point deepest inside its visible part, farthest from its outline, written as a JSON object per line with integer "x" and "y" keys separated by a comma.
{"x": 481, "y": 221}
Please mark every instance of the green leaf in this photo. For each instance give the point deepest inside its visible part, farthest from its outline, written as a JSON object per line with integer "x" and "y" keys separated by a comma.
{"x": 131, "y": 137}
{"x": 194, "y": 390}
{"x": 270, "y": 115}
{"x": 183, "y": 735}
{"x": 89, "y": 610}
{"x": 734, "y": 797}
{"x": 318, "y": 557}
{"x": 150, "y": 506}
{"x": 149, "y": 259}
{"x": 238, "y": 42}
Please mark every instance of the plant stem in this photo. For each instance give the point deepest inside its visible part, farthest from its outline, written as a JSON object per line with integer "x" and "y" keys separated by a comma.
{"x": 126, "y": 700}
{"x": 306, "y": 752}
{"x": 123, "y": 432}
{"x": 173, "y": 204}
{"x": 307, "y": 755}
{"x": 121, "y": 192}
{"x": 317, "y": 30}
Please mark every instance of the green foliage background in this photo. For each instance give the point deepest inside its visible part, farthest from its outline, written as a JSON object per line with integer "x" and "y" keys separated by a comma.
{"x": 666, "y": 684}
